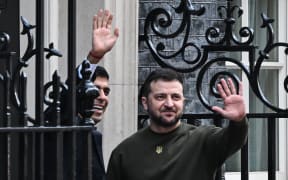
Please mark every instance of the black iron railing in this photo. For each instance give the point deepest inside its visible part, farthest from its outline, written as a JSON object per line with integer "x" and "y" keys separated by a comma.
{"x": 44, "y": 147}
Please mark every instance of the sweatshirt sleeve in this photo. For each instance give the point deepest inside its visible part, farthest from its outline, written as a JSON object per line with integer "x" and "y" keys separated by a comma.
{"x": 114, "y": 167}
{"x": 223, "y": 142}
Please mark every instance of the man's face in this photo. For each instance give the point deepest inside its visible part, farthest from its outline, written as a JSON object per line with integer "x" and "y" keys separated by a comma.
{"x": 101, "y": 102}
{"x": 164, "y": 103}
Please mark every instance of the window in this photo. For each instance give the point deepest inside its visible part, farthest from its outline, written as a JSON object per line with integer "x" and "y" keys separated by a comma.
{"x": 271, "y": 78}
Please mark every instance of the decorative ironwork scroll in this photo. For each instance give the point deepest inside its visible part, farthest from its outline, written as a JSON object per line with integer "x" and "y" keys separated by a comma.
{"x": 16, "y": 84}
{"x": 18, "y": 80}
{"x": 227, "y": 41}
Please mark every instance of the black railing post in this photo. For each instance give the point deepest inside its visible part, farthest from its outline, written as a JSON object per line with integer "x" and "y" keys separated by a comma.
{"x": 220, "y": 174}
{"x": 271, "y": 148}
{"x": 39, "y": 84}
{"x": 8, "y": 120}
{"x": 72, "y": 58}
{"x": 70, "y": 138}
{"x": 39, "y": 63}
{"x": 244, "y": 162}
{"x": 9, "y": 25}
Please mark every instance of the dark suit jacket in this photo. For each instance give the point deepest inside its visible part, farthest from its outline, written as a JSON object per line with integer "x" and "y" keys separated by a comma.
{"x": 97, "y": 163}
{"x": 98, "y": 169}
{"x": 51, "y": 160}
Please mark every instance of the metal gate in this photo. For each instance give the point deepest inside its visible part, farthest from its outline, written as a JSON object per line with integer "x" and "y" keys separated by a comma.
{"x": 156, "y": 28}
{"x": 25, "y": 141}
{"x": 40, "y": 148}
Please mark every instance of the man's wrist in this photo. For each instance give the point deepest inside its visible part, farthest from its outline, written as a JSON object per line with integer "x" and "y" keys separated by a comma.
{"x": 243, "y": 121}
{"x": 93, "y": 58}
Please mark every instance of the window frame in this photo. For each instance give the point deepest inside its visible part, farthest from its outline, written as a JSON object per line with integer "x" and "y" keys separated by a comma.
{"x": 281, "y": 66}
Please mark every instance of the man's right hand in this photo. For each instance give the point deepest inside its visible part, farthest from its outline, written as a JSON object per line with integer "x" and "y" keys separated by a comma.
{"x": 103, "y": 39}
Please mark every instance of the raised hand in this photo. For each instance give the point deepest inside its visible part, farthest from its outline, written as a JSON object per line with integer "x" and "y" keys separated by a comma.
{"x": 234, "y": 106}
{"x": 103, "y": 39}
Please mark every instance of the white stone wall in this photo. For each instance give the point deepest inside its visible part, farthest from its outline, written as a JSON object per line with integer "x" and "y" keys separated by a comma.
{"x": 121, "y": 118}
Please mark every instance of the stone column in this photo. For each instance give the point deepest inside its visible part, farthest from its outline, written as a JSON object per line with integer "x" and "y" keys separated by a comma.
{"x": 121, "y": 117}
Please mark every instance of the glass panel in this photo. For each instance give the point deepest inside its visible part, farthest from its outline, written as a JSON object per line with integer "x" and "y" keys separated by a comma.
{"x": 258, "y": 145}
{"x": 268, "y": 81}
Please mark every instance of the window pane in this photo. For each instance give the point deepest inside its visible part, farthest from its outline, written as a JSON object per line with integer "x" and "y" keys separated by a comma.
{"x": 268, "y": 80}
{"x": 258, "y": 127}
{"x": 258, "y": 144}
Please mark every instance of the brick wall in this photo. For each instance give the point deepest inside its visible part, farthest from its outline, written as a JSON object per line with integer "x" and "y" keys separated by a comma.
{"x": 196, "y": 35}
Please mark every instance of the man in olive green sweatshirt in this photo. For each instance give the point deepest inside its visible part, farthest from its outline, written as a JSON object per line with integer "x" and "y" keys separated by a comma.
{"x": 171, "y": 150}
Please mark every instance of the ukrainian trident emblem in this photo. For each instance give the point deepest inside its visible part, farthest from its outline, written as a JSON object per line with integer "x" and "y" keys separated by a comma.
{"x": 159, "y": 149}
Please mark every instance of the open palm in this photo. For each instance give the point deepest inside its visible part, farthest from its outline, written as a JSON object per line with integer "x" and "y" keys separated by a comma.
{"x": 103, "y": 39}
{"x": 234, "y": 106}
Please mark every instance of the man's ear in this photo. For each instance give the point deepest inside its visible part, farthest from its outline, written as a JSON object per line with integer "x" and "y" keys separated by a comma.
{"x": 144, "y": 102}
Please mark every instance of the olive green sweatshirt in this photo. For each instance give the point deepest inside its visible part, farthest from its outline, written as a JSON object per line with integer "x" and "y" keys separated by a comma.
{"x": 187, "y": 153}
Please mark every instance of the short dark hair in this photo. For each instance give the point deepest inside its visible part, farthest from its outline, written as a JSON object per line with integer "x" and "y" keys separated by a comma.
{"x": 164, "y": 74}
{"x": 99, "y": 72}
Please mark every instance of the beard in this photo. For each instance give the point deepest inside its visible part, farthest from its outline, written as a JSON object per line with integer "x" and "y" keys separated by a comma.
{"x": 160, "y": 121}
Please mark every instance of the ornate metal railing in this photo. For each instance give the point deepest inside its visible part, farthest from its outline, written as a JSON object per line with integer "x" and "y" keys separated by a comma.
{"x": 225, "y": 42}
{"x": 43, "y": 147}
{"x": 160, "y": 19}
